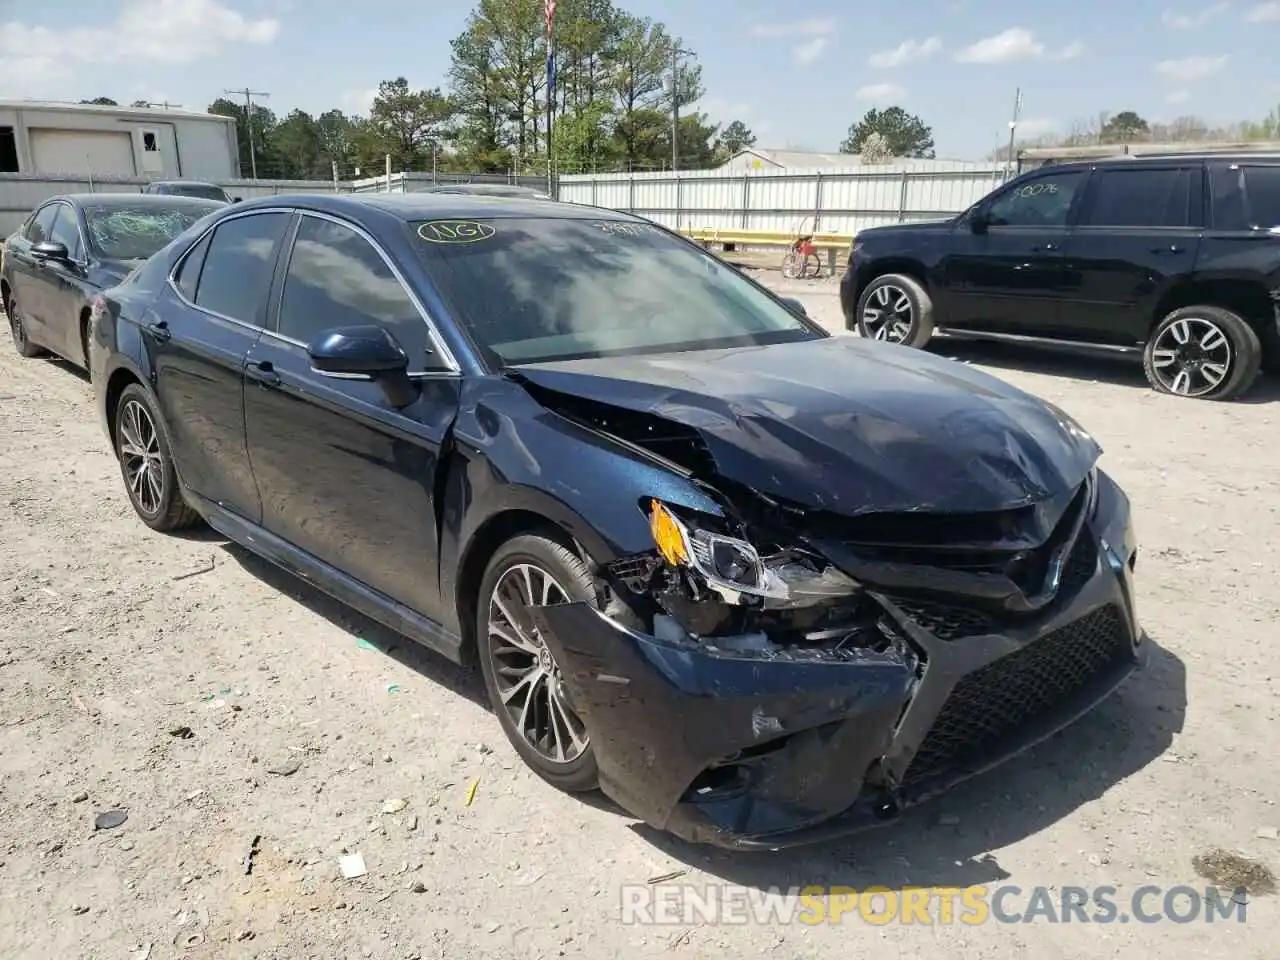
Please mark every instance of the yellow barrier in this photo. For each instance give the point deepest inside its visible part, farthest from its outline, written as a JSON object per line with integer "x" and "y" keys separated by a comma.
{"x": 768, "y": 238}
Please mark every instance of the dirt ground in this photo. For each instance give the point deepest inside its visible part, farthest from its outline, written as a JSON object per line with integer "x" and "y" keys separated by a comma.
{"x": 169, "y": 677}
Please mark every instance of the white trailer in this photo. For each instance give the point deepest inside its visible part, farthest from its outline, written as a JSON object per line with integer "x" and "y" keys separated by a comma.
{"x": 40, "y": 138}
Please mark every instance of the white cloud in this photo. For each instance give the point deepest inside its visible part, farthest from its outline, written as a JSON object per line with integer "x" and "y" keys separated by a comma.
{"x": 809, "y": 51}
{"x": 146, "y": 31}
{"x": 1179, "y": 96}
{"x": 358, "y": 101}
{"x": 880, "y": 92}
{"x": 906, "y": 52}
{"x": 1175, "y": 20}
{"x": 1264, "y": 13}
{"x": 1033, "y": 127}
{"x": 1190, "y": 68}
{"x": 1016, "y": 43}
{"x": 812, "y": 27}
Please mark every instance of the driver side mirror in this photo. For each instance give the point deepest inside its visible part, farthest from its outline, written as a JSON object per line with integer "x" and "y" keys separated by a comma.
{"x": 365, "y": 353}
{"x": 49, "y": 250}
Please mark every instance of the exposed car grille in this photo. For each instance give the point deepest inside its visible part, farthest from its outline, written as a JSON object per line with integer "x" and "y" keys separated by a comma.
{"x": 994, "y": 702}
{"x": 950, "y": 622}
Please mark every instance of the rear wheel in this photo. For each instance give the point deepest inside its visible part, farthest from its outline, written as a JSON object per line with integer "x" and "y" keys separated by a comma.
{"x": 1202, "y": 352}
{"x": 18, "y": 329}
{"x": 146, "y": 464}
{"x": 521, "y": 674}
{"x": 896, "y": 308}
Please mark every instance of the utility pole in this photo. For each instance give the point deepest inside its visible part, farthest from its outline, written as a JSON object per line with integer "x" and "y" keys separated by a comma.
{"x": 248, "y": 122}
{"x": 675, "y": 108}
{"x": 676, "y": 53}
{"x": 1013, "y": 128}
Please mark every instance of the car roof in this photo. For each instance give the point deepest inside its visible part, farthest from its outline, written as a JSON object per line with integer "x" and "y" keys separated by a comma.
{"x": 430, "y": 206}
{"x": 1126, "y": 159}
{"x": 133, "y": 199}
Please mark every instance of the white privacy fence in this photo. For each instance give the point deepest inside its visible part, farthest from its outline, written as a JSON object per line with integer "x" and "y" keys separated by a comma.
{"x": 820, "y": 201}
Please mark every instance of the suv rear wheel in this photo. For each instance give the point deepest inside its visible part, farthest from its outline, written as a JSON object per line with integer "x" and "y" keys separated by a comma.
{"x": 1203, "y": 352}
{"x": 896, "y": 308}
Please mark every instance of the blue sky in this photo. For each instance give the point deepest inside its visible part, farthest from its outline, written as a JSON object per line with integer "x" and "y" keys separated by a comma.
{"x": 798, "y": 75}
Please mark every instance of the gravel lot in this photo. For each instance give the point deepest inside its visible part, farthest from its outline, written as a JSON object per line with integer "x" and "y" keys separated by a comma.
{"x": 170, "y": 677}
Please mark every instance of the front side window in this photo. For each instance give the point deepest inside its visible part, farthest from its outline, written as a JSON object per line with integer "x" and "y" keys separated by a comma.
{"x": 41, "y": 225}
{"x": 538, "y": 289}
{"x": 66, "y": 231}
{"x": 1040, "y": 202}
{"x": 1140, "y": 198}
{"x": 337, "y": 279}
{"x": 136, "y": 231}
{"x": 237, "y": 268}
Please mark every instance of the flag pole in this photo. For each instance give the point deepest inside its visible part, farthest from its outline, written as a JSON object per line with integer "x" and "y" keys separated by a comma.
{"x": 550, "y": 7}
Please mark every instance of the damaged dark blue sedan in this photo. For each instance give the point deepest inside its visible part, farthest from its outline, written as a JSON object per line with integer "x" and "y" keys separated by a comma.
{"x": 759, "y": 584}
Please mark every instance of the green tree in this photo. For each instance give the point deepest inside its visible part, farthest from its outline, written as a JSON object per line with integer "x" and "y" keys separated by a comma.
{"x": 1123, "y": 127}
{"x": 102, "y": 102}
{"x": 141, "y": 103}
{"x": 638, "y": 66}
{"x": 735, "y": 137}
{"x": 298, "y": 144}
{"x": 905, "y": 133}
{"x": 408, "y": 124}
{"x": 260, "y": 125}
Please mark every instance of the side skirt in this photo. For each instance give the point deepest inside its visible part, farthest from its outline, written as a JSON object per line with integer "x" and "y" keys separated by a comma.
{"x": 373, "y": 604}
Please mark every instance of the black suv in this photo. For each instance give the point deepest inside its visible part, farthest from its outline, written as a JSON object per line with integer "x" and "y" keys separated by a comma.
{"x": 1175, "y": 257}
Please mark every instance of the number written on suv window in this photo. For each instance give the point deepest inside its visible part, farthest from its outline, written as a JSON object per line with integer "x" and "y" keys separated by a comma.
{"x": 1042, "y": 202}
{"x": 337, "y": 279}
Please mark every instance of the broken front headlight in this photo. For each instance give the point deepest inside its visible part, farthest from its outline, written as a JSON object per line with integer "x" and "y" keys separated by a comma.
{"x": 733, "y": 568}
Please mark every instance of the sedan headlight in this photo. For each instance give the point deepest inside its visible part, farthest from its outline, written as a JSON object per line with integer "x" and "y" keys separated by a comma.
{"x": 735, "y": 570}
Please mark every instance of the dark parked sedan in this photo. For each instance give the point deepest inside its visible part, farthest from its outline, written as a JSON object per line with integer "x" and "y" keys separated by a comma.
{"x": 73, "y": 247}
{"x": 759, "y": 584}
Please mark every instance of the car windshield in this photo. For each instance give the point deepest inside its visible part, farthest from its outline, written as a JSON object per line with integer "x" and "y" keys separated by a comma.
{"x": 123, "y": 231}
{"x": 537, "y": 289}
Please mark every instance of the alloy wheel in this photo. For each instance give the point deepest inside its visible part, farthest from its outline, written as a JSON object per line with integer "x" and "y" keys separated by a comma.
{"x": 526, "y": 674}
{"x": 1191, "y": 357}
{"x": 887, "y": 314}
{"x": 140, "y": 455}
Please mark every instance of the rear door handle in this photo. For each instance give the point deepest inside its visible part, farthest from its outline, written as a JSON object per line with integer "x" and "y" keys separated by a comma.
{"x": 1171, "y": 248}
{"x": 1048, "y": 247}
{"x": 160, "y": 330}
{"x": 264, "y": 372}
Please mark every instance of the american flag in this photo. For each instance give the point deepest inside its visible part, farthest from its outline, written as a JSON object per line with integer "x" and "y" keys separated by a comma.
{"x": 550, "y": 6}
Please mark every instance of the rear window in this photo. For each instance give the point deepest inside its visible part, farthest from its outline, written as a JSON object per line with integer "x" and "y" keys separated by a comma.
{"x": 203, "y": 191}
{"x": 137, "y": 231}
{"x": 1262, "y": 196}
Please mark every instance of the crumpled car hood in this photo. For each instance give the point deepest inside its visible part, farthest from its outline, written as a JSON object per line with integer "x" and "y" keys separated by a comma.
{"x": 846, "y": 425}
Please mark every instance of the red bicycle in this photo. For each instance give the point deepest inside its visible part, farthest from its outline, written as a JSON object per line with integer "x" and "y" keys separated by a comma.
{"x": 801, "y": 260}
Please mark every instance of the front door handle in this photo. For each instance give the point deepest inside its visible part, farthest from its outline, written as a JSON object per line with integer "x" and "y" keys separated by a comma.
{"x": 1171, "y": 248}
{"x": 160, "y": 330}
{"x": 1048, "y": 248}
{"x": 264, "y": 372}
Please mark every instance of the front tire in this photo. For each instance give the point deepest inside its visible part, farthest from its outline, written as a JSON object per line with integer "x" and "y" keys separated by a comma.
{"x": 1202, "y": 352}
{"x": 146, "y": 464}
{"x": 895, "y": 308}
{"x": 521, "y": 675}
{"x": 18, "y": 330}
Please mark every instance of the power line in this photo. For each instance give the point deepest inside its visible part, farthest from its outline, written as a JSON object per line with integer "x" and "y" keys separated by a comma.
{"x": 248, "y": 122}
